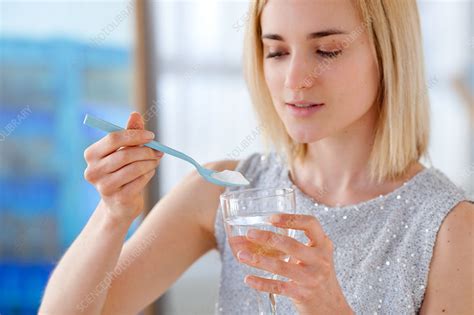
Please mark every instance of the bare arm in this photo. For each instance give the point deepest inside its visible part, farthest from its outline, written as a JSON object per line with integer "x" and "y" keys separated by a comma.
{"x": 100, "y": 275}
{"x": 119, "y": 168}
{"x": 178, "y": 231}
{"x": 451, "y": 279}
{"x": 183, "y": 223}
{"x": 75, "y": 285}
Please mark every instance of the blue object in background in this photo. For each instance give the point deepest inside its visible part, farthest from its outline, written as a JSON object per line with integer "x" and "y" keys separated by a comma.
{"x": 22, "y": 286}
{"x": 46, "y": 88}
{"x": 28, "y": 194}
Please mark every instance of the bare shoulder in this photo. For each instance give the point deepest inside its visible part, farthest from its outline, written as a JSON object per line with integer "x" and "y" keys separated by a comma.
{"x": 204, "y": 195}
{"x": 458, "y": 224}
{"x": 451, "y": 277}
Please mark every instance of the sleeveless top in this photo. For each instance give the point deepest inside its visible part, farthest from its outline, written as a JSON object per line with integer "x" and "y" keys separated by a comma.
{"x": 382, "y": 247}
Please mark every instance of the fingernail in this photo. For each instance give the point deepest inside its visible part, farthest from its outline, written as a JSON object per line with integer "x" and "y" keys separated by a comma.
{"x": 252, "y": 234}
{"x": 275, "y": 218}
{"x": 248, "y": 280}
{"x": 149, "y": 134}
{"x": 159, "y": 153}
{"x": 244, "y": 255}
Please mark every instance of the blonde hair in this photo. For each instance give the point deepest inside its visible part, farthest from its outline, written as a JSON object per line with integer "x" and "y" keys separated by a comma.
{"x": 402, "y": 131}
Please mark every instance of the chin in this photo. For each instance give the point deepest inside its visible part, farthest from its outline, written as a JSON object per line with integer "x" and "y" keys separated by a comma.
{"x": 304, "y": 135}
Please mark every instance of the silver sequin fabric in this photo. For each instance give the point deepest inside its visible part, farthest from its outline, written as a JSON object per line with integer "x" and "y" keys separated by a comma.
{"x": 383, "y": 246}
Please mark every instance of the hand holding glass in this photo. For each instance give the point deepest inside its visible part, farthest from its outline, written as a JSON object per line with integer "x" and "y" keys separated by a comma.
{"x": 251, "y": 209}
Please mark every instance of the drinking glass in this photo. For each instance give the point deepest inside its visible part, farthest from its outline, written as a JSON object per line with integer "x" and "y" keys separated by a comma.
{"x": 252, "y": 208}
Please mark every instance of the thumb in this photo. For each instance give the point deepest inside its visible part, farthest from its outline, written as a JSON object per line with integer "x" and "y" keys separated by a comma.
{"x": 135, "y": 121}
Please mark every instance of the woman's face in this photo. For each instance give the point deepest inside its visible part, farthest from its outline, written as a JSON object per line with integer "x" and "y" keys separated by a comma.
{"x": 318, "y": 52}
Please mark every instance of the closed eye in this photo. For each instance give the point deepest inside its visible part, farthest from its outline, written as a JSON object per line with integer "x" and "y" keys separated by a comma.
{"x": 329, "y": 54}
{"x": 275, "y": 55}
{"x": 322, "y": 53}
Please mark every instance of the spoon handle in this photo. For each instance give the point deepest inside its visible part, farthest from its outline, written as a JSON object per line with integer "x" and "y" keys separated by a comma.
{"x": 106, "y": 126}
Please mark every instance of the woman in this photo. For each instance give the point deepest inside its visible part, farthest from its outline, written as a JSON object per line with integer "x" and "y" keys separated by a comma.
{"x": 339, "y": 87}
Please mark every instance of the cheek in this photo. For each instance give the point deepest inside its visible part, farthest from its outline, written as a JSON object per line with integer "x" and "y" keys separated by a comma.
{"x": 274, "y": 79}
{"x": 354, "y": 82}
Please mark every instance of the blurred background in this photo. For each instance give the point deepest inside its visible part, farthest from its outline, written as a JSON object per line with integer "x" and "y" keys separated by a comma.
{"x": 179, "y": 63}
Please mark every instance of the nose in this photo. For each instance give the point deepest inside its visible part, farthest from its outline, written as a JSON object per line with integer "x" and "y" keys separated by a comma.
{"x": 298, "y": 74}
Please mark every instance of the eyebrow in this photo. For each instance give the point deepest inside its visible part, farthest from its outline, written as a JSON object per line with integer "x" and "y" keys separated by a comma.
{"x": 313, "y": 35}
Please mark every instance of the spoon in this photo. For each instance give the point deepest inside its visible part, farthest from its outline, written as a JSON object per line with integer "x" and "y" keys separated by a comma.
{"x": 224, "y": 178}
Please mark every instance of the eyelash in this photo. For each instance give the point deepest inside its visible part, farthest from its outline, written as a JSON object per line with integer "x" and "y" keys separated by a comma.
{"x": 322, "y": 53}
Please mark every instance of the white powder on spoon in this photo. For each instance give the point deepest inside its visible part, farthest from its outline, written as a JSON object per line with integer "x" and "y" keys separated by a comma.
{"x": 232, "y": 177}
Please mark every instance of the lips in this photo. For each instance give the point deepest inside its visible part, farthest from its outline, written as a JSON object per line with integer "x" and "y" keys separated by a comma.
{"x": 303, "y": 109}
{"x": 303, "y": 105}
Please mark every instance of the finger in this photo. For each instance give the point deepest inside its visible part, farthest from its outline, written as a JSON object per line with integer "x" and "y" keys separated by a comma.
{"x": 238, "y": 243}
{"x": 125, "y": 156}
{"x": 273, "y": 265}
{"x": 293, "y": 260}
{"x": 282, "y": 243}
{"x": 136, "y": 186}
{"x": 125, "y": 175}
{"x": 286, "y": 288}
{"x": 135, "y": 121}
{"x": 307, "y": 223}
{"x": 115, "y": 140}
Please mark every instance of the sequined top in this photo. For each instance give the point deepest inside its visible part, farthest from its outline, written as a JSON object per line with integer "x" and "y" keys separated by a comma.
{"x": 383, "y": 246}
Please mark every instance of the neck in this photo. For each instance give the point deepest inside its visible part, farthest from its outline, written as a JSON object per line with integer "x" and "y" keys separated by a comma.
{"x": 338, "y": 164}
